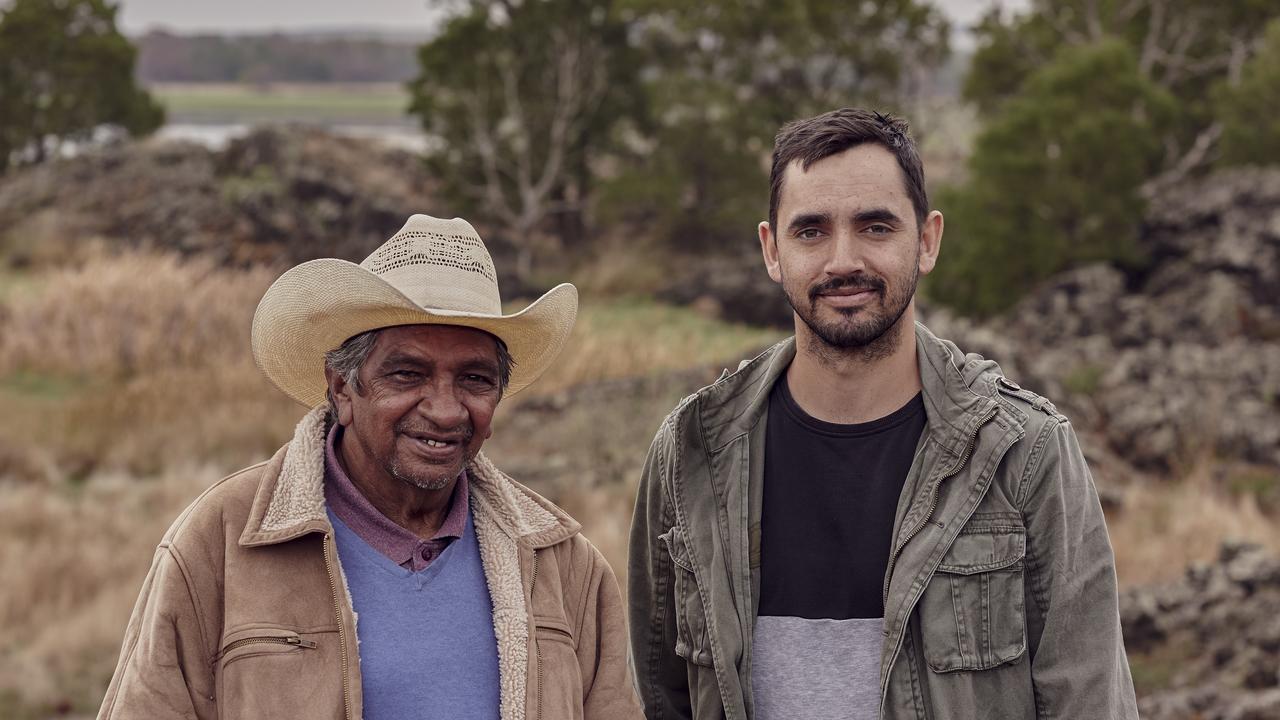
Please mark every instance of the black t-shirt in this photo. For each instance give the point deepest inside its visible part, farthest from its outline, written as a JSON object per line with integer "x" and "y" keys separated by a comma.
{"x": 830, "y": 495}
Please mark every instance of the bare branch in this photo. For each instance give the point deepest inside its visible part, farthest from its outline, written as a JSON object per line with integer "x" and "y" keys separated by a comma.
{"x": 1196, "y": 157}
{"x": 1092, "y": 22}
{"x": 1151, "y": 43}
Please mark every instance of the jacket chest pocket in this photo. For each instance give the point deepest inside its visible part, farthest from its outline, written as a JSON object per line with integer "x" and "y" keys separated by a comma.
{"x": 972, "y": 611}
{"x": 691, "y": 619}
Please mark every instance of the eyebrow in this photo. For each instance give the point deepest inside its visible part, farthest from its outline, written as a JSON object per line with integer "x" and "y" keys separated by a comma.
{"x": 807, "y": 219}
{"x": 402, "y": 359}
{"x": 395, "y": 359}
{"x": 884, "y": 215}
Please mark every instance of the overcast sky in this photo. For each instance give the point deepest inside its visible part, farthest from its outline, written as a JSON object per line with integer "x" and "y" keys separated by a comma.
{"x": 138, "y": 16}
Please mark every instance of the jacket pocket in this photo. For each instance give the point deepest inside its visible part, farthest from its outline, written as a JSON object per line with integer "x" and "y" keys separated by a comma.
{"x": 559, "y": 678}
{"x": 972, "y": 611}
{"x": 277, "y": 672}
{"x": 691, "y": 618}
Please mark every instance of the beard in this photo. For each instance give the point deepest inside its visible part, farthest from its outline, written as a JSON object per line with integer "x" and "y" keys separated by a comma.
{"x": 431, "y": 479}
{"x": 869, "y": 330}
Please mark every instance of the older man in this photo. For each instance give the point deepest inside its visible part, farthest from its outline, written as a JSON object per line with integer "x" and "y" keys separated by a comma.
{"x": 379, "y": 566}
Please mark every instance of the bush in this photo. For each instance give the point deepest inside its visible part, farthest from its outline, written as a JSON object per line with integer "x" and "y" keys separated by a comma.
{"x": 1054, "y": 179}
{"x": 1250, "y": 123}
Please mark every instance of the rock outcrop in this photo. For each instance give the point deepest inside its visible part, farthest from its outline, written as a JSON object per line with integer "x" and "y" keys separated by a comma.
{"x": 1174, "y": 362}
{"x": 280, "y": 194}
{"x": 1208, "y": 647}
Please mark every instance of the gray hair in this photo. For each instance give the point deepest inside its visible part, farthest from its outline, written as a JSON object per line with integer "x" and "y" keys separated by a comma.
{"x": 347, "y": 359}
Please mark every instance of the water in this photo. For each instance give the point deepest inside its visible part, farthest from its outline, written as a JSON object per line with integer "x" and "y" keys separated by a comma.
{"x": 217, "y": 136}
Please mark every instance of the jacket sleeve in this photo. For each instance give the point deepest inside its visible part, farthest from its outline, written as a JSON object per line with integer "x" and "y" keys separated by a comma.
{"x": 164, "y": 669}
{"x": 607, "y": 691}
{"x": 1078, "y": 663}
{"x": 661, "y": 675}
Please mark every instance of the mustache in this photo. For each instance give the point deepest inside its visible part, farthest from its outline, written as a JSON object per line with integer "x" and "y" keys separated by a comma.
{"x": 859, "y": 281}
{"x": 466, "y": 431}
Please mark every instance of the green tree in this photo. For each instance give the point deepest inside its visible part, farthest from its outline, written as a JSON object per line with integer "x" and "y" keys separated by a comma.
{"x": 1054, "y": 178}
{"x": 65, "y": 70}
{"x": 1091, "y": 107}
{"x": 522, "y": 98}
{"x": 1250, "y": 108}
{"x": 1185, "y": 47}
{"x": 723, "y": 75}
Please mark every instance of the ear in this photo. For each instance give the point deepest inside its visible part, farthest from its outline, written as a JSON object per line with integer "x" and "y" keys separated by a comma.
{"x": 340, "y": 392}
{"x": 930, "y": 241}
{"x": 769, "y": 249}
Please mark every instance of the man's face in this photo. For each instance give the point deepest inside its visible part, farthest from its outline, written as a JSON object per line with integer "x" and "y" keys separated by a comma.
{"x": 424, "y": 406}
{"x": 847, "y": 250}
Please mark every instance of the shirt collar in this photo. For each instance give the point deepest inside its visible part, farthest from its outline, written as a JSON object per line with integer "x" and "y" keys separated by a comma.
{"x": 379, "y": 531}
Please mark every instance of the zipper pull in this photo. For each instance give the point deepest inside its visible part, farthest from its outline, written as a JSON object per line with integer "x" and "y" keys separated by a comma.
{"x": 295, "y": 640}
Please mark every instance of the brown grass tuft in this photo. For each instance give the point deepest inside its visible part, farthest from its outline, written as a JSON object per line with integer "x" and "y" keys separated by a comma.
{"x": 1163, "y": 527}
{"x": 118, "y": 316}
{"x": 75, "y": 558}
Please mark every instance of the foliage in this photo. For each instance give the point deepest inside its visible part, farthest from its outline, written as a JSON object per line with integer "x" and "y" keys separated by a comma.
{"x": 1054, "y": 179}
{"x": 724, "y": 75}
{"x": 1091, "y": 106}
{"x": 672, "y": 106}
{"x": 1251, "y": 124}
{"x": 65, "y": 70}
{"x": 520, "y": 95}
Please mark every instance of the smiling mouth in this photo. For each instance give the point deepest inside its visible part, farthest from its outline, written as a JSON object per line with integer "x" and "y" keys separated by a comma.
{"x": 435, "y": 443}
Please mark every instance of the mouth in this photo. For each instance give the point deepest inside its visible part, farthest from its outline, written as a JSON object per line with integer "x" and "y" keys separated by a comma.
{"x": 436, "y": 446}
{"x": 849, "y": 297}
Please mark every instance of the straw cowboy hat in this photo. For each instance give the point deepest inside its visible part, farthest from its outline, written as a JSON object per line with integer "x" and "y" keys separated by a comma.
{"x": 431, "y": 272}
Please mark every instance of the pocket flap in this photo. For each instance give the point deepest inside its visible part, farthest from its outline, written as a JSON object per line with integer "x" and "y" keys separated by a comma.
{"x": 985, "y": 550}
{"x": 674, "y": 540}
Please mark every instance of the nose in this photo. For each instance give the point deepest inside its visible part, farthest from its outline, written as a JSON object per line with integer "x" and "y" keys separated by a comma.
{"x": 440, "y": 404}
{"x": 846, "y": 254}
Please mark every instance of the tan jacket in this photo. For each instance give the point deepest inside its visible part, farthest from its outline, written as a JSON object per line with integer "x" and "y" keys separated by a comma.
{"x": 245, "y": 612}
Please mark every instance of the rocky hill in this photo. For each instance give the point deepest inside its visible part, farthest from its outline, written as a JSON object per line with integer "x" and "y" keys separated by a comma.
{"x": 1210, "y": 642}
{"x": 279, "y": 195}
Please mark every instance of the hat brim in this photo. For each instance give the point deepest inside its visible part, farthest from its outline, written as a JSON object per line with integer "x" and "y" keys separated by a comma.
{"x": 316, "y": 306}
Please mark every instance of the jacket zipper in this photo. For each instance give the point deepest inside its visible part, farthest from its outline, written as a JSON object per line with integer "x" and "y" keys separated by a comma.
{"x": 933, "y": 505}
{"x": 933, "y": 500}
{"x": 270, "y": 639}
{"x": 342, "y": 631}
{"x": 537, "y": 645}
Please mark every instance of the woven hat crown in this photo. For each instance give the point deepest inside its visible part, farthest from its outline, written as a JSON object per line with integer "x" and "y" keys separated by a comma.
{"x": 439, "y": 264}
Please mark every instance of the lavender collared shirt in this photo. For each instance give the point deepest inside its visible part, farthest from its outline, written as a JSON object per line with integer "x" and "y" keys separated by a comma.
{"x": 381, "y": 532}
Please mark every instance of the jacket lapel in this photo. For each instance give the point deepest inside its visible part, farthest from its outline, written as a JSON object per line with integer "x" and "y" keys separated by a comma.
{"x": 508, "y": 519}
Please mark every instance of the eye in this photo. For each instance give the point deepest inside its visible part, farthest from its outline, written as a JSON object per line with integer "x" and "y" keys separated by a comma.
{"x": 879, "y": 229}
{"x": 403, "y": 375}
{"x": 478, "y": 379}
{"x": 809, "y": 233}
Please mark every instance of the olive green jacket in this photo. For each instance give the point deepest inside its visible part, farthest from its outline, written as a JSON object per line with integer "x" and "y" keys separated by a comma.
{"x": 246, "y": 614}
{"x": 1000, "y": 597}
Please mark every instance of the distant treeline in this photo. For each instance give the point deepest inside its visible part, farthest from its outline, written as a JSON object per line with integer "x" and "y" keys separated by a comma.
{"x": 166, "y": 57}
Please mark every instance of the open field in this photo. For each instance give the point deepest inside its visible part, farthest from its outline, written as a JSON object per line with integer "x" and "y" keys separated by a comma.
{"x": 318, "y": 103}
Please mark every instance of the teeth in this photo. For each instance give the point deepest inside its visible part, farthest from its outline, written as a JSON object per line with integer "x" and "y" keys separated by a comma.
{"x": 436, "y": 443}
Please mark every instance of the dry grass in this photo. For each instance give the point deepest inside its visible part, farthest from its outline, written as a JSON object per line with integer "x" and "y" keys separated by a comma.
{"x": 630, "y": 338}
{"x": 75, "y": 558}
{"x": 119, "y": 316}
{"x": 1163, "y": 527}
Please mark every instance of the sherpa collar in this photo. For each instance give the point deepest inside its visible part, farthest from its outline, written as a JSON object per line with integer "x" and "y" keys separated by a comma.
{"x": 290, "y": 500}
{"x": 507, "y": 517}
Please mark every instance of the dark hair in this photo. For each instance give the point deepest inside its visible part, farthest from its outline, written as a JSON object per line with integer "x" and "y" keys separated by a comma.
{"x": 816, "y": 138}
